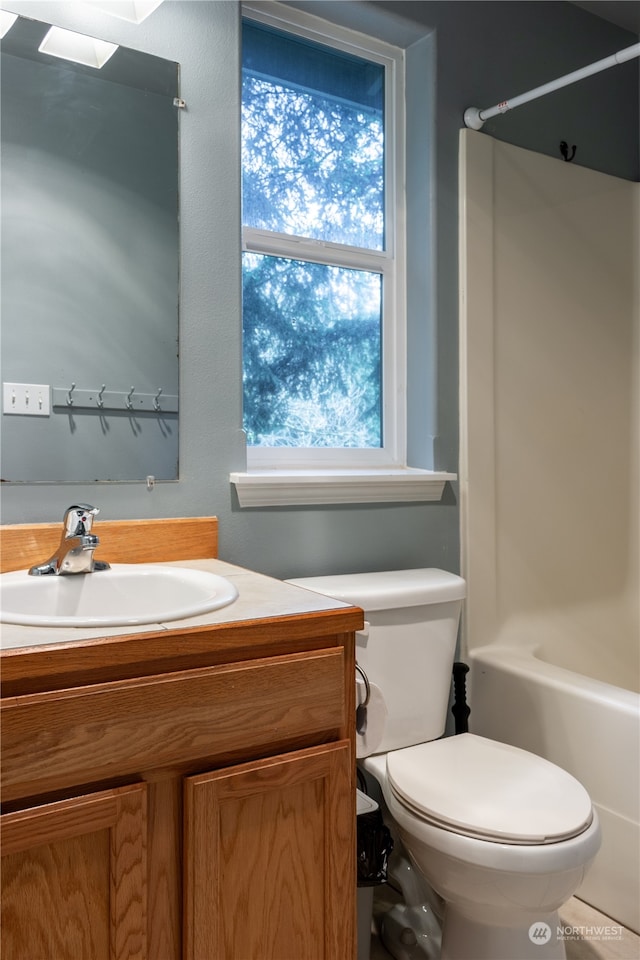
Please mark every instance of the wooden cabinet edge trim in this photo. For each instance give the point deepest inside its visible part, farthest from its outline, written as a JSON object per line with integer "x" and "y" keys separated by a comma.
{"x": 27, "y": 669}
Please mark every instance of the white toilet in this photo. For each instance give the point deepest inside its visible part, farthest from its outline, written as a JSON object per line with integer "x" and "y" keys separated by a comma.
{"x": 503, "y": 836}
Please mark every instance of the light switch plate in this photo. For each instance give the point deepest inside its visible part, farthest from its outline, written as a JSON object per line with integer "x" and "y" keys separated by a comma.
{"x": 26, "y": 399}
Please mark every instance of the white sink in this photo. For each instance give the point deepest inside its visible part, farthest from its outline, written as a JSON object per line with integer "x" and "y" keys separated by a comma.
{"x": 125, "y": 595}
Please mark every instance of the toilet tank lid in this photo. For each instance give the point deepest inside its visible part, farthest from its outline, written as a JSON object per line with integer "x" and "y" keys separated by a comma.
{"x": 389, "y": 589}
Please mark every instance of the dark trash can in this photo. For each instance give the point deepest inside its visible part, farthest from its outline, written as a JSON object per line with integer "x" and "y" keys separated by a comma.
{"x": 374, "y": 844}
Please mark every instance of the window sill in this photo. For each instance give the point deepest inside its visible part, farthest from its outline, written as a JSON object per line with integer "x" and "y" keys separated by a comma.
{"x": 272, "y": 488}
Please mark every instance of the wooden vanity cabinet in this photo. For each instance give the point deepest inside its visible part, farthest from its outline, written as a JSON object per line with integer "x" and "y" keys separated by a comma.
{"x": 180, "y": 794}
{"x": 204, "y": 813}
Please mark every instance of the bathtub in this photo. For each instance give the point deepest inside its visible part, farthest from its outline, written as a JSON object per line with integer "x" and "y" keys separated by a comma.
{"x": 587, "y": 726}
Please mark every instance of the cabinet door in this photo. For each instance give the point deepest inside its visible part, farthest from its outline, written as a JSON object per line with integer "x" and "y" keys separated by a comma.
{"x": 270, "y": 859}
{"x": 74, "y": 878}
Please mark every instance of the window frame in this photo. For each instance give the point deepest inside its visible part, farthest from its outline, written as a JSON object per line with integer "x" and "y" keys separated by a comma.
{"x": 299, "y": 477}
{"x": 389, "y": 262}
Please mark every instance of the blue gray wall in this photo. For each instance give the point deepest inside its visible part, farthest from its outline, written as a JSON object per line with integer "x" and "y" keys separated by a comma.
{"x": 480, "y": 53}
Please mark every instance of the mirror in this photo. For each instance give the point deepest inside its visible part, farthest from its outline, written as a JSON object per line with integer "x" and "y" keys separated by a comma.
{"x": 89, "y": 279}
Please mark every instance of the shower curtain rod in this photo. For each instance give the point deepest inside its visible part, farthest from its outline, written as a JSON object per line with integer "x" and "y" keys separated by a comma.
{"x": 474, "y": 118}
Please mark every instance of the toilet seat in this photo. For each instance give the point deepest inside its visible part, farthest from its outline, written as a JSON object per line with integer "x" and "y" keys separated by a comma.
{"x": 469, "y": 785}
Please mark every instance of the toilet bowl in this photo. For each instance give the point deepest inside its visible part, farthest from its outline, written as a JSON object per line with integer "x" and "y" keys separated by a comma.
{"x": 502, "y": 836}
{"x": 502, "y": 863}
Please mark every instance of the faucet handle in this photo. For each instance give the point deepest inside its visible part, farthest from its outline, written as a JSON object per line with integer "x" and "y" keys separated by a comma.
{"x": 78, "y": 519}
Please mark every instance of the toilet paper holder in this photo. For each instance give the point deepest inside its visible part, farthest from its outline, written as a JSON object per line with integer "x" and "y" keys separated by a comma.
{"x": 361, "y": 709}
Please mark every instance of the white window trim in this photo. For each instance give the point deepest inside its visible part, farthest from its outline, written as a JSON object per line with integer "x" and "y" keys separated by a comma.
{"x": 270, "y": 488}
{"x": 279, "y": 475}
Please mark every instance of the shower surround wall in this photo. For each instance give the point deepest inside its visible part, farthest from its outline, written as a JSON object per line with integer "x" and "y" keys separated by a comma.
{"x": 550, "y": 479}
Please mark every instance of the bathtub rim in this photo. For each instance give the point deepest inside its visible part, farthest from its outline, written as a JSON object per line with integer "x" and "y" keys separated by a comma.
{"x": 525, "y": 660}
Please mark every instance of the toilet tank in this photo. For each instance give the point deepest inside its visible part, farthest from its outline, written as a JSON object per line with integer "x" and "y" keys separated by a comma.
{"x": 408, "y": 645}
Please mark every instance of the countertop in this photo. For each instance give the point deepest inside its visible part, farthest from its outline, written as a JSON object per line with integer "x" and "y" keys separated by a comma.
{"x": 259, "y": 597}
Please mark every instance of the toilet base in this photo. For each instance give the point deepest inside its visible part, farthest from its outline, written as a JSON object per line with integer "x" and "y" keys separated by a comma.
{"x": 404, "y": 936}
{"x": 411, "y": 930}
{"x": 465, "y": 938}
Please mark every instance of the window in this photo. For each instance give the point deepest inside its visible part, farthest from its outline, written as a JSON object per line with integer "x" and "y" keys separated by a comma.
{"x": 318, "y": 263}
{"x": 323, "y": 248}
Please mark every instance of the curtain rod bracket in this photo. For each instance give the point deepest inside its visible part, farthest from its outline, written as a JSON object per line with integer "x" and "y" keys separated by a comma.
{"x": 472, "y": 118}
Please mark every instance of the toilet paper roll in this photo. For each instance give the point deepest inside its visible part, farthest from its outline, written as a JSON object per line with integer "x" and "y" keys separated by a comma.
{"x": 370, "y": 739}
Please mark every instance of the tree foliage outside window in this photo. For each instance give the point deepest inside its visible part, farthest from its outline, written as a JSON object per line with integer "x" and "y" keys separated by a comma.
{"x": 311, "y": 354}
{"x": 313, "y": 170}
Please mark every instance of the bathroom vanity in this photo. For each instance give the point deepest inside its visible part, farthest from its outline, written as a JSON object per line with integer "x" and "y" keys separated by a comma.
{"x": 182, "y": 789}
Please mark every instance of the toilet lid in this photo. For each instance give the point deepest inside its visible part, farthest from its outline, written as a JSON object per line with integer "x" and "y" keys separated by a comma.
{"x": 493, "y": 791}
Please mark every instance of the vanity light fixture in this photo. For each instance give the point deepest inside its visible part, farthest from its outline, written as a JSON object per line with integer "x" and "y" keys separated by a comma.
{"x": 7, "y": 20}
{"x": 133, "y": 10}
{"x": 77, "y": 47}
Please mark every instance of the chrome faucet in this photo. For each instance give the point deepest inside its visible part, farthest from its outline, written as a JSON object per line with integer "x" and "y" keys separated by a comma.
{"x": 75, "y": 552}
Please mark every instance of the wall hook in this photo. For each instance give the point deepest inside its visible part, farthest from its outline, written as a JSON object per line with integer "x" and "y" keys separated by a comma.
{"x": 69, "y": 397}
{"x": 99, "y": 399}
{"x": 564, "y": 150}
{"x": 128, "y": 402}
{"x": 156, "y": 400}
